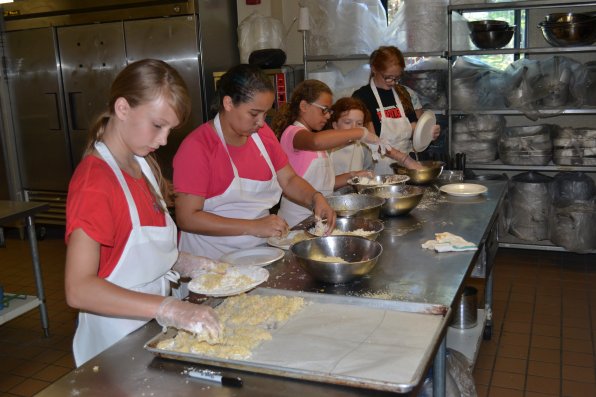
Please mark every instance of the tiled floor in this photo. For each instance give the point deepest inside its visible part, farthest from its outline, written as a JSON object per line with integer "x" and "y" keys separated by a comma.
{"x": 542, "y": 344}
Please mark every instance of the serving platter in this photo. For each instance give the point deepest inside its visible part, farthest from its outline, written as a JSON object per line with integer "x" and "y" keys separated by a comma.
{"x": 233, "y": 282}
{"x": 423, "y": 133}
{"x": 463, "y": 189}
{"x": 355, "y": 341}
{"x": 284, "y": 243}
{"x": 257, "y": 256}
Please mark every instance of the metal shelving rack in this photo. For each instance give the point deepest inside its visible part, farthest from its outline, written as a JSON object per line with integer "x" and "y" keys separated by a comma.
{"x": 511, "y": 241}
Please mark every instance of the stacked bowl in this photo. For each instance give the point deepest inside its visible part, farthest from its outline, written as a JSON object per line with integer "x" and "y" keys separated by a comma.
{"x": 569, "y": 29}
{"x": 490, "y": 34}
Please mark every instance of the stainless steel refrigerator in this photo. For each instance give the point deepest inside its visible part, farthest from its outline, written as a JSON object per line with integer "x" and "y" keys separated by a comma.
{"x": 59, "y": 75}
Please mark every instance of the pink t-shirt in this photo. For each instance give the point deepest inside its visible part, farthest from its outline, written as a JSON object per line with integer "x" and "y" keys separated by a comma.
{"x": 299, "y": 159}
{"x": 202, "y": 166}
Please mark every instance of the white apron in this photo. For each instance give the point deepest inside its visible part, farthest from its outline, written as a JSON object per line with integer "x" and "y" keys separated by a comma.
{"x": 348, "y": 158}
{"x": 397, "y": 132}
{"x": 146, "y": 260}
{"x": 320, "y": 175}
{"x": 243, "y": 199}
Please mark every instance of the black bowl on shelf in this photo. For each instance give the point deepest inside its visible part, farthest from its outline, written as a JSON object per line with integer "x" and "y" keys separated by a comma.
{"x": 487, "y": 24}
{"x": 492, "y": 39}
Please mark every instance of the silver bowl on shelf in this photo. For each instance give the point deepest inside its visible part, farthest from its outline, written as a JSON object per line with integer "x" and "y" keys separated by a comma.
{"x": 569, "y": 29}
{"x": 337, "y": 259}
{"x": 492, "y": 39}
{"x": 356, "y": 205}
{"x": 399, "y": 200}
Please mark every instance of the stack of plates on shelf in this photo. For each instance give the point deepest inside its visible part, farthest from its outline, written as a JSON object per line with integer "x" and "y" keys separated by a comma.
{"x": 574, "y": 146}
{"x": 526, "y": 145}
{"x": 477, "y": 136}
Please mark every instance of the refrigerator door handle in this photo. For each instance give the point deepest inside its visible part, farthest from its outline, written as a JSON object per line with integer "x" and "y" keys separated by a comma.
{"x": 73, "y": 111}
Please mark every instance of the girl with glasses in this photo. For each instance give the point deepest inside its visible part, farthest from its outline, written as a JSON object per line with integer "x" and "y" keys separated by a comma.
{"x": 394, "y": 108}
{"x": 300, "y": 124}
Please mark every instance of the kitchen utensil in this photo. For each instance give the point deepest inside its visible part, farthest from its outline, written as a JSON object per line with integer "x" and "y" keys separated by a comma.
{"x": 487, "y": 24}
{"x": 360, "y": 183}
{"x": 345, "y": 226}
{"x": 492, "y": 39}
{"x": 563, "y": 34}
{"x": 399, "y": 200}
{"x": 356, "y": 205}
{"x": 358, "y": 255}
{"x": 426, "y": 175}
{"x": 423, "y": 133}
{"x": 257, "y": 256}
{"x": 561, "y": 17}
{"x": 463, "y": 189}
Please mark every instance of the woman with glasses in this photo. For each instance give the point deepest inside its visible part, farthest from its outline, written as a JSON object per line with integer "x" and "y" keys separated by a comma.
{"x": 299, "y": 125}
{"x": 230, "y": 171}
{"x": 393, "y": 107}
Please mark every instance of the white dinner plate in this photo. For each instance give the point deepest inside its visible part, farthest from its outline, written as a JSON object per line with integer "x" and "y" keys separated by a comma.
{"x": 285, "y": 242}
{"x": 463, "y": 189}
{"x": 423, "y": 133}
{"x": 233, "y": 282}
{"x": 258, "y": 256}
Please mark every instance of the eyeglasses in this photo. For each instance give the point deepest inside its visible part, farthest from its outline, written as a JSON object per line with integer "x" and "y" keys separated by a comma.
{"x": 391, "y": 79}
{"x": 324, "y": 109}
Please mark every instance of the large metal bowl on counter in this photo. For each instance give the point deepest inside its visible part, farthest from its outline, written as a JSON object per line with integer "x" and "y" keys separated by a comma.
{"x": 430, "y": 171}
{"x": 337, "y": 259}
{"x": 569, "y": 29}
{"x": 399, "y": 200}
{"x": 363, "y": 227}
{"x": 359, "y": 183}
{"x": 356, "y": 205}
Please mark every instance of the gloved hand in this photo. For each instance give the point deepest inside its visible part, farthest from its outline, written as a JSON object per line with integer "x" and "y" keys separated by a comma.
{"x": 369, "y": 137}
{"x": 384, "y": 146}
{"x": 192, "y": 266}
{"x": 189, "y": 317}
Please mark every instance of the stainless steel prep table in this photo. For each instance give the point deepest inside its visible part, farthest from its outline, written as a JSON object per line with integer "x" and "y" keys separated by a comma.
{"x": 9, "y": 212}
{"x": 414, "y": 274}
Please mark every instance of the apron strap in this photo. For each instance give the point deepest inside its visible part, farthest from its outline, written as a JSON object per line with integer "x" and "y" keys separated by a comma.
{"x": 105, "y": 153}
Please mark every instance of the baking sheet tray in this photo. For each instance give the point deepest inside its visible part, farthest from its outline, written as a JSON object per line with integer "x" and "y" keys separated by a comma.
{"x": 360, "y": 342}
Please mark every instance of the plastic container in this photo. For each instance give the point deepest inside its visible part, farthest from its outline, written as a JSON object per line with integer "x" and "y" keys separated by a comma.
{"x": 466, "y": 309}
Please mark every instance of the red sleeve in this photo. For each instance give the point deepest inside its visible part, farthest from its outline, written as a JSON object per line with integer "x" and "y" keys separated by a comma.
{"x": 90, "y": 201}
{"x": 273, "y": 147}
{"x": 191, "y": 164}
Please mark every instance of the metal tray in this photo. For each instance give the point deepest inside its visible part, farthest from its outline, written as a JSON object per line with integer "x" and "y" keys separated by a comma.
{"x": 397, "y": 372}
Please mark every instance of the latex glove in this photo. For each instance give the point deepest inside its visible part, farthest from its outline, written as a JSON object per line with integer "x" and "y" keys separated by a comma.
{"x": 323, "y": 211}
{"x": 192, "y": 266}
{"x": 436, "y": 131}
{"x": 368, "y": 137}
{"x": 384, "y": 146}
{"x": 198, "y": 319}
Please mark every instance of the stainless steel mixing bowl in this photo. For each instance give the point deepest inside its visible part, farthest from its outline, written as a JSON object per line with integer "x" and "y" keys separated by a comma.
{"x": 358, "y": 257}
{"x": 562, "y": 34}
{"x": 344, "y": 226}
{"x": 492, "y": 39}
{"x": 360, "y": 183}
{"x": 399, "y": 200}
{"x": 359, "y": 205}
{"x": 424, "y": 176}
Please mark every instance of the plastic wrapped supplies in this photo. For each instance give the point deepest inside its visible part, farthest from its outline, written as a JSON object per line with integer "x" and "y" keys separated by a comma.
{"x": 530, "y": 195}
{"x": 419, "y": 25}
{"x": 345, "y": 27}
{"x": 574, "y": 146}
{"x": 573, "y": 212}
{"x": 477, "y": 136}
{"x": 257, "y": 32}
{"x": 526, "y": 145}
{"x": 428, "y": 78}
